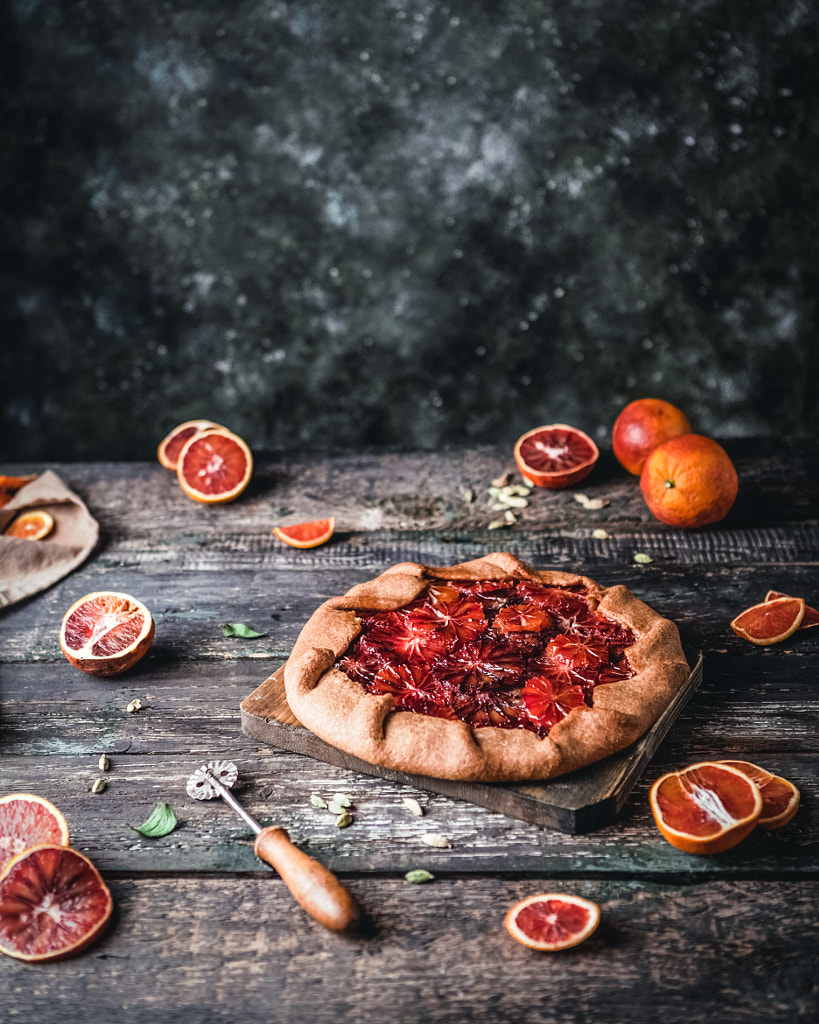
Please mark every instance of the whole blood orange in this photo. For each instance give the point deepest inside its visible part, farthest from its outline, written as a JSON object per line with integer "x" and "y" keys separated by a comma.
{"x": 689, "y": 481}
{"x": 306, "y": 535}
{"x": 643, "y": 425}
{"x": 214, "y": 466}
{"x": 809, "y": 619}
{"x": 171, "y": 445}
{"x": 26, "y": 821}
{"x": 53, "y": 903}
{"x": 555, "y": 456}
{"x": 105, "y": 633}
{"x": 780, "y": 798}
{"x": 552, "y": 921}
{"x": 705, "y": 808}
{"x": 32, "y": 525}
{"x": 771, "y": 621}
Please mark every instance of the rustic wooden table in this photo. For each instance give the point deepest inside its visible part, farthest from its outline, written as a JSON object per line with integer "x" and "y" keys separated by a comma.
{"x": 203, "y": 932}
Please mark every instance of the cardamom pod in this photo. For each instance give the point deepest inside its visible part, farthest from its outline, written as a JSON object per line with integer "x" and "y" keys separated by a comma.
{"x": 419, "y": 876}
{"x": 642, "y": 559}
{"x": 104, "y": 763}
{"x": 344, "y": 819}
{"x": 413, "y": 807}
{"x": 433, "y": 839}
{"x": 317, "y": 801}
{"x": 98, "y": 786}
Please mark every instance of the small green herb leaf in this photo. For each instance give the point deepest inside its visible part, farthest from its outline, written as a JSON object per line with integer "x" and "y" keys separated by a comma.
{"x": 419, "y": 876}
{"x": 239, "y": 629}
{"x": 161, "y": 821}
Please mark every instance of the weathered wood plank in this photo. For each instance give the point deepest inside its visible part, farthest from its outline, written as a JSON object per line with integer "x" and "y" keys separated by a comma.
{"x": 204, "y": 950}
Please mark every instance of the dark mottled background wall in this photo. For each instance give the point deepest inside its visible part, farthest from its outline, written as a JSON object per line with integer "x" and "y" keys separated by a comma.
{"x": 404, "y": 223}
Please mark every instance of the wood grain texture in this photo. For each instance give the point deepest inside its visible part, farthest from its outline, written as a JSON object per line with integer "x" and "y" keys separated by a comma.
{"x": 212, "y": 951}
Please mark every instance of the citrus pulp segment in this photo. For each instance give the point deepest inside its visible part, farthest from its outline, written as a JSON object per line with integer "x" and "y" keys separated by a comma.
{"x": 705, "y": 808}
{"x": 780, "y": 798}
{"x": 555, "y": 456}
{"x": 27, "y": 820}
{"x": 30, "y": 525}
{"x": 172, "y": 444}
{"x": 809, "y": 619}
{"x": 306, "y": 535}
{"x": 214, "y": 466}
{"x": 552, "y": 921}
{"x": 105, "y": 633}
{"x": 770, "y": 622}
{"x": 53, "y": 903}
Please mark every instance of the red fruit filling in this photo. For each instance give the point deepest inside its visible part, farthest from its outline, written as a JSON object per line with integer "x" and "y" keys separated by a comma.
{"x": 504, "y": 653}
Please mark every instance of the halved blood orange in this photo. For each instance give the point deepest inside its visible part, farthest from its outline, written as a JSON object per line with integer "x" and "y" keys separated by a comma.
{"x": 705, "y": 808}
{"x": 105, "y": 633}
{"x": 53, "y": 903}
{"x": 214, "y": 466}
{"x": 32, "y": 525}
{"x": 770, "y": 622}
{"x": 10, "y": 485}
{"x": 552, "y": 921}
{"x": 780, "y": 798}
{"x": 27, "y": 820}
{"x": 306, "y": 535}
{"x": 811, "y": 616}
{"x": 171, "y": 445}
{"x": 555, "y": 456}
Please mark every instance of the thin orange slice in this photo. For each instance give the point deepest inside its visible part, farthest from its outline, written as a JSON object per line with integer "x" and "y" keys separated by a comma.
{"x": 770, "y": 622}
{"x": 552, "y": 921}
{"x": 105, "y": 633}
{"x": 306, "y": 535}
{"x": 10, "y": 485}
{"x": 811, "y": 616}
{"x": 555, "y": 456}
{"x": 32, "y": 525}
{"x": 780, "y": 798}
{"x": 171, "y": 445}
{"x": 214, "y": 466}
{"x": 705, "y": 808}
{"x": 27, "y": 820}
{"x": 53, "y": 903}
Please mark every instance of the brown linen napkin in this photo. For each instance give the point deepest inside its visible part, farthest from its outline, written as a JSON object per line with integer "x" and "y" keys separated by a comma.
{"x": 28, "y": 566}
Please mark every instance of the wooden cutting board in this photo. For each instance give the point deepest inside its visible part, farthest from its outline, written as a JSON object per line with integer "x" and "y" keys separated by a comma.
{"x": 579, "y": 802}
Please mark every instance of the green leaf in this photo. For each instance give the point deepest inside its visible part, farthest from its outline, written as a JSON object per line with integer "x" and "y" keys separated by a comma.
{"x": 419, "y": 876}
{"x": 239, "y": 629}
{"x": 160, "y": 823}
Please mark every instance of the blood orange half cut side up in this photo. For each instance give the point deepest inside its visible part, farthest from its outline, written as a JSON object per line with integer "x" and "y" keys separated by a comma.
{"x": 53, "y": 903}
{"x": 809, "y": 619}
{"x": 27, "y": 820}
{"x": 780, "y": 798}
{"x": 770, "y": 622}
{"x": 30, "y": 525}
{"x": 705, "y": 808}
{"x": 555, "y": 456}
{"x": 105, "y": 633}
{"x": 215, "y": 466}
{"x": 306, "y": 535}
{"x": 170, "y": 446}
{"x": 552, "y": 921}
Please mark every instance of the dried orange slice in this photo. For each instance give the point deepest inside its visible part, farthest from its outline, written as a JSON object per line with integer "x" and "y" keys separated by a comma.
{"x": 26, "y": 821}
{"x": 306, "y": 535}
{"x": 105, "y": 633}
{"x": 705, "y": 808}
{"x": 811, "y": 616}
{"x": 214, "y": 466}
{"x": 53, "y": 903}
{"x": 10, "y": 485}
{"x": 170, "y": 446}
{"x": 780, "y": 798}
{"x": 770, "y": 622}
{"x": 552, "y": 921}
{"x": 32, "y": 525}
{"x": 556, "y": 456}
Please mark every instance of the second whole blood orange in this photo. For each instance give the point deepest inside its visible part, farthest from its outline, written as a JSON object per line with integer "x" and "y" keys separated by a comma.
{"x": 689, "y": 481}
{"x": 641, "y": 427}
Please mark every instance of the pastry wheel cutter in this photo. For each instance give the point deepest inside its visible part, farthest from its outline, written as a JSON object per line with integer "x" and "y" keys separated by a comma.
{"x": 315, "y": 887}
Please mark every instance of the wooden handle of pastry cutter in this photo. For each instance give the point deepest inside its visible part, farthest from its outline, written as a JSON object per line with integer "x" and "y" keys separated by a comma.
{"x": 315, "y": 887}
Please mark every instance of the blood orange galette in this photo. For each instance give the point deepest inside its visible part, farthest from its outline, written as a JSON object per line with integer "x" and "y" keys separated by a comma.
{"x": 487, "y": 670}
